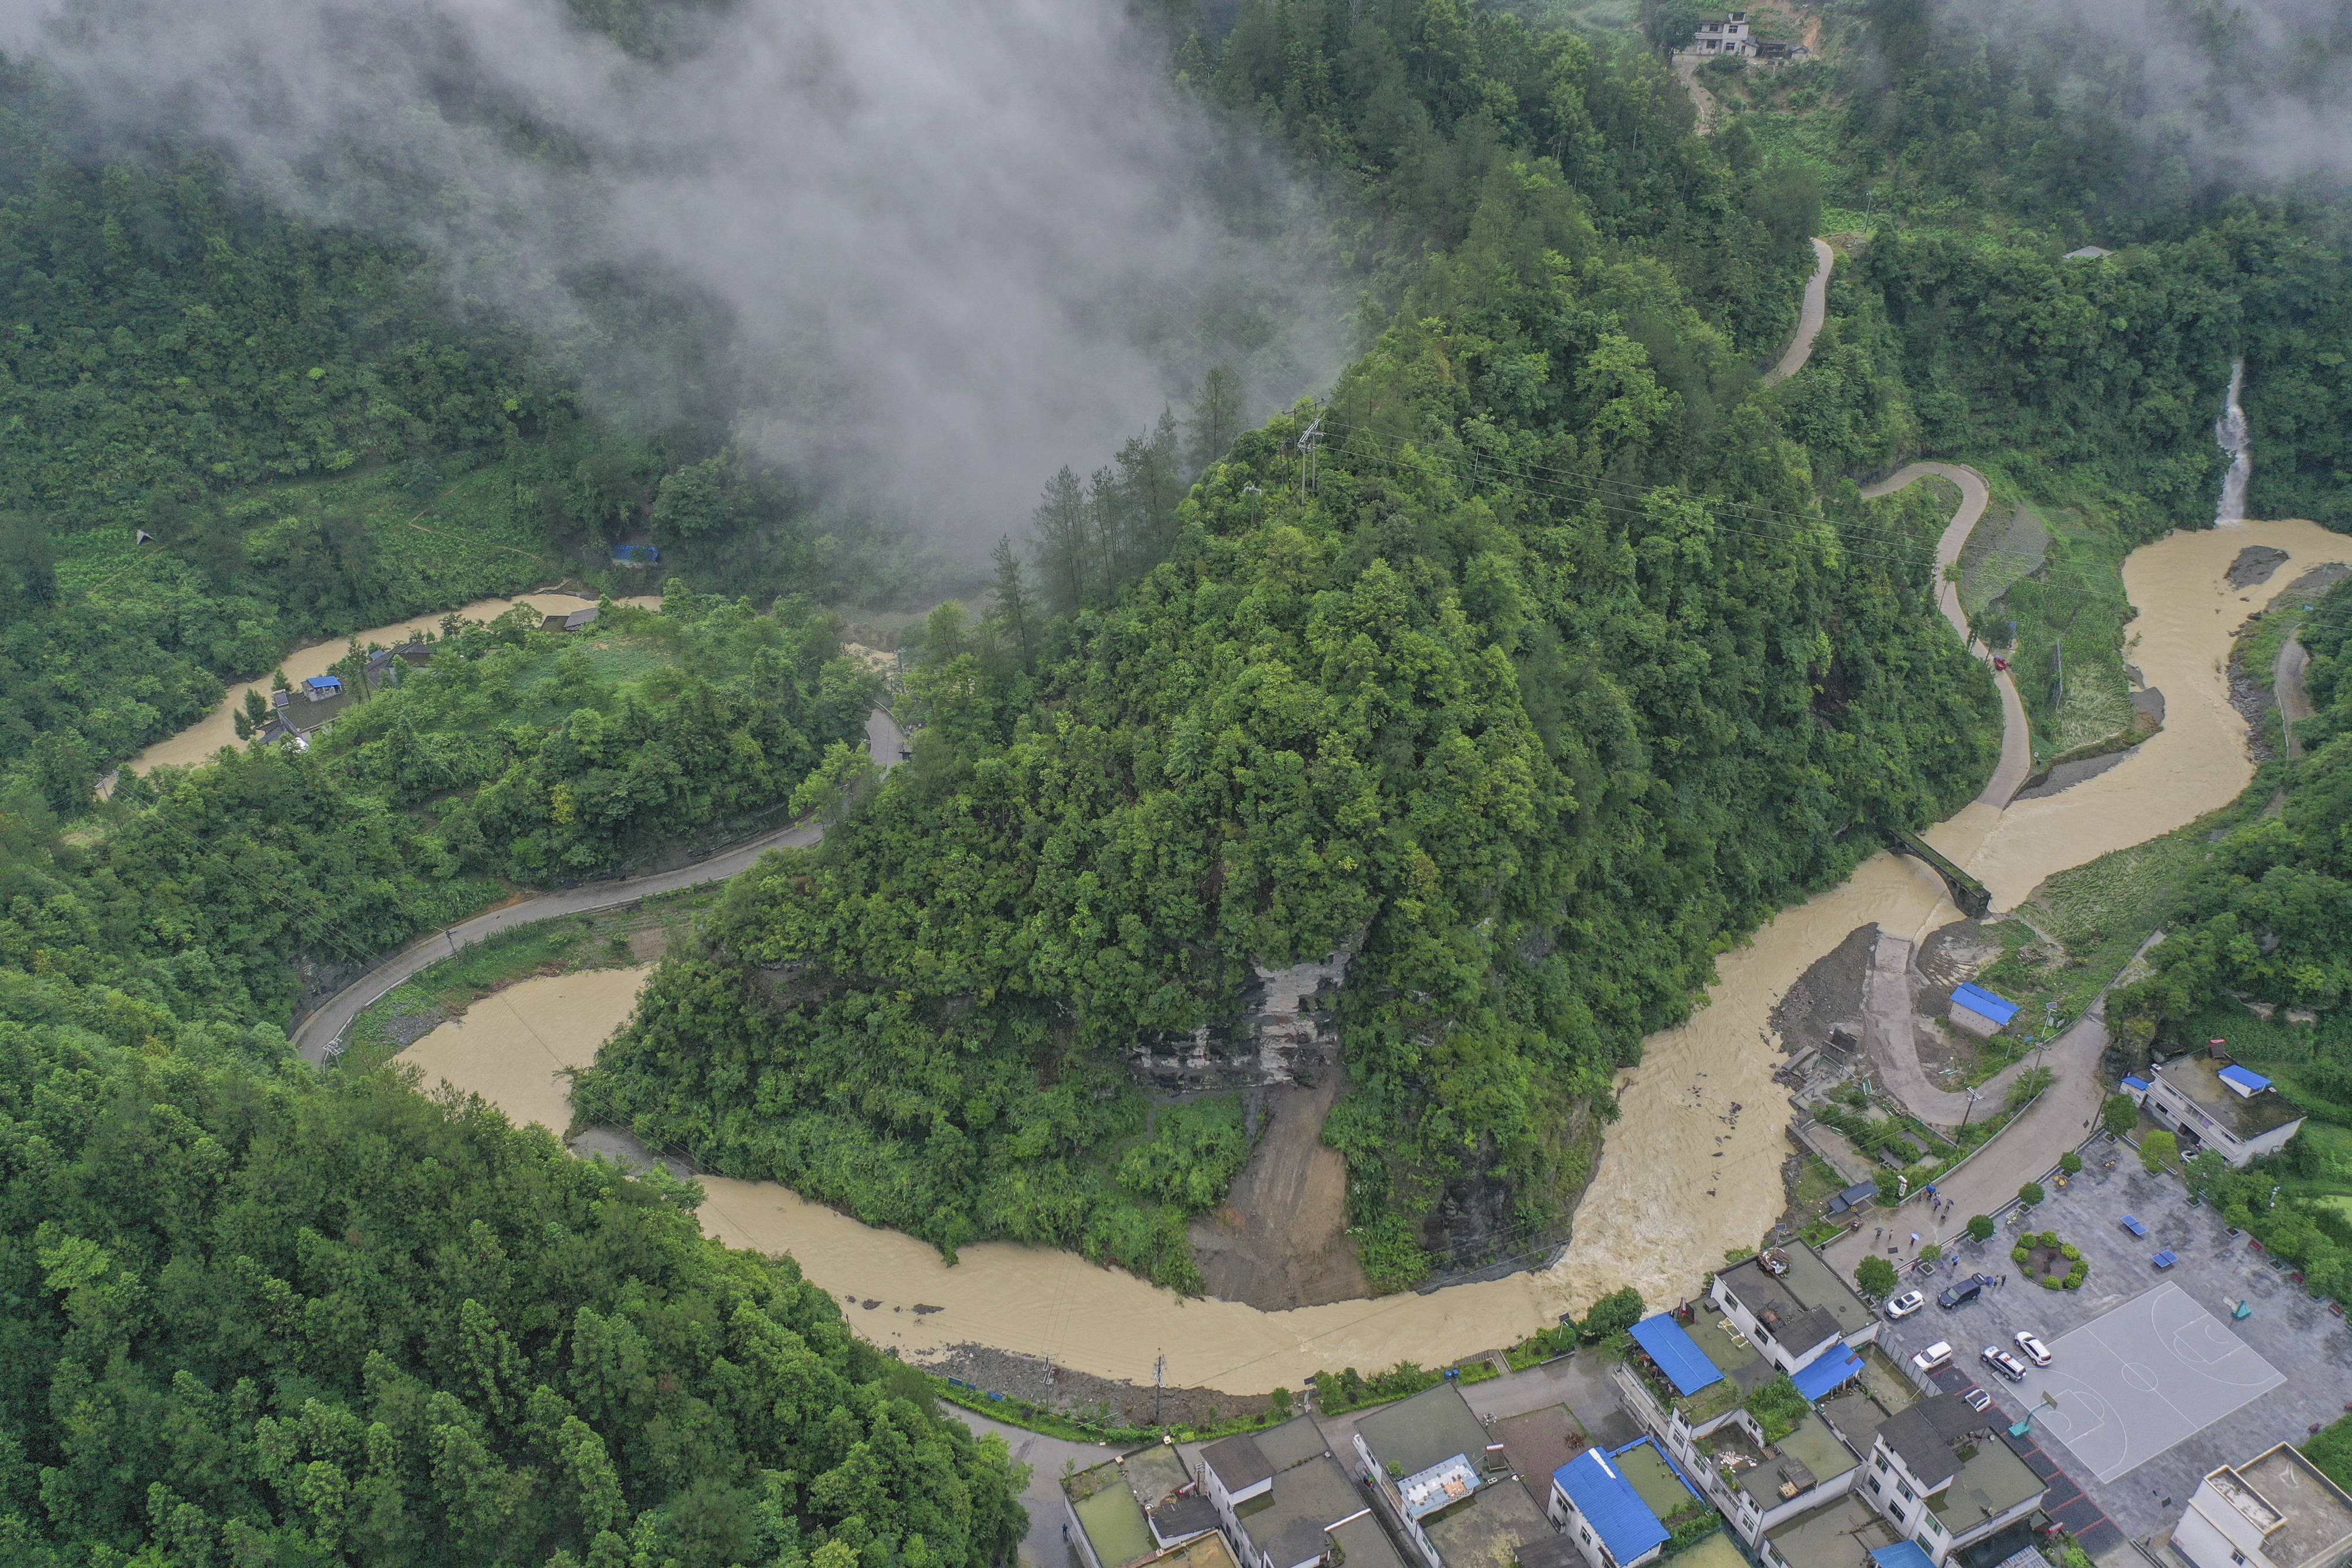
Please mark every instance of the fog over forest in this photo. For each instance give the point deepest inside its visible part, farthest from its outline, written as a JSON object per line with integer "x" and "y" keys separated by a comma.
{"x": 2250, "y": 91}
{"x": 928, "y": 253}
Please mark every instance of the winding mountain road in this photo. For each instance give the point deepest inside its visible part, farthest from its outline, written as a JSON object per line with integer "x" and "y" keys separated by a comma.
{"x": 2293, "y": 700}
{"x": 1810, "y": 317}
{"x": 2016, "y": 744}
{"x": 318, "y": 1033}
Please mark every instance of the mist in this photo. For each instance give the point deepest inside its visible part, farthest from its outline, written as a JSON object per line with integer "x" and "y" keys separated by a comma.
{"x": 2244, "y": 92}
{"x": 924, "y": 250}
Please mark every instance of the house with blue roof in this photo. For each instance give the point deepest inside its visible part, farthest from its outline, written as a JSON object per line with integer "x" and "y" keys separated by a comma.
{"x": 2228, "y": 1108}
{"x": 1597, "y": 1510}
{"x": 1980, "y": 1012}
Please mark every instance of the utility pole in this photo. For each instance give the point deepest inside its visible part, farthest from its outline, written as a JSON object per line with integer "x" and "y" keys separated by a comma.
{"x": 1158, "y": 1388}
{"x": 1306, "y": 455}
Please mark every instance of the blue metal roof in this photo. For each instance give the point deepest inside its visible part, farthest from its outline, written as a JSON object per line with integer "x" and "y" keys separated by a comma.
{"x": 1826, "y": 1372}
{"x": 1611, "y": 1505}
{"x": 1902, "y": 1554}
{"x": 325, "y": 682}
{"x": 2246, "y": 1078}
{"x": 1676, "y": 1354}
{"x": 1977, "y": 999}
{"x": 2138, "y": 1084}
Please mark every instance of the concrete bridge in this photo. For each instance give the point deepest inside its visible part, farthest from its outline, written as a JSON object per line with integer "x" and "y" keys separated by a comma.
{"x": 1971, "y": 895}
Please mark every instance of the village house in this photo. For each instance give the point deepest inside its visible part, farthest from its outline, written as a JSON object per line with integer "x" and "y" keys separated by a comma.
{"x": 2231, "y": 1110}
{"x": 1427, "y": 1456}
{"x": 1942, "y": 1477}
{"x": 1134, "y": 1508}
{"x": 1724, "y": 33}
{"x": 1285, "y": 1502}
{"x": 2277, "y": 1511}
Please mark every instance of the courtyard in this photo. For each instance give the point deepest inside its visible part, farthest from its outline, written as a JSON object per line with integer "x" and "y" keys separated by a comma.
{"x": 2154, "y": 1382}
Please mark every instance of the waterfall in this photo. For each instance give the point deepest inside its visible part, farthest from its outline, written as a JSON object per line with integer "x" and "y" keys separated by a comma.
{"x": 2230, "y": 430}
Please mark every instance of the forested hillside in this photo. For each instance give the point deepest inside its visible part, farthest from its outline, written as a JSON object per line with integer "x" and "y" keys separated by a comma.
{"x": 1553, "y": 676}
{"x": 214, "y": 893}
{"x": 1991, "y": 144}
{"x": 250, "y": 1315}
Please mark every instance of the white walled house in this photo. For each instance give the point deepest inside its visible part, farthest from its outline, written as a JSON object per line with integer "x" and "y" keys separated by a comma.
{"x": 2231, "y": 1110}
{"x": 1940, "y": 1476}
{"x": 2277, "y": 1511}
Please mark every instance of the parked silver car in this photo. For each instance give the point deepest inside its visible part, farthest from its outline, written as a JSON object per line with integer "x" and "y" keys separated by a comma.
{"x": 1904, "y": 1305}
{"x": 2032, "y": 1348}
{"x": 2000, "y": 1360}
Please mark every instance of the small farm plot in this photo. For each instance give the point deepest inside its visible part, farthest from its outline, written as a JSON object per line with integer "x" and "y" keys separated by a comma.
{"x": 2129, "y": 1385}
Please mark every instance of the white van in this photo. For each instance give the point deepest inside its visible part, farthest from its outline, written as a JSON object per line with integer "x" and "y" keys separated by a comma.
{"x": 1935, "y": 1358}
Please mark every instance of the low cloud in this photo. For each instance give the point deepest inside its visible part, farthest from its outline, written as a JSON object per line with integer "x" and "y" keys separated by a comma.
{"x": 2248, "y": 92}
{"x": 948, "y": 246}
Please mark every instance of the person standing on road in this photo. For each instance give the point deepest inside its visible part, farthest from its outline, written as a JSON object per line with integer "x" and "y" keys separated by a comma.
{"x": 1915, "y": 1240}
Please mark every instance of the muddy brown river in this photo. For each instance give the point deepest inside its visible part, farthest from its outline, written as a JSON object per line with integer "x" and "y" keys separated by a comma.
{"x": 1663, "y": 1207}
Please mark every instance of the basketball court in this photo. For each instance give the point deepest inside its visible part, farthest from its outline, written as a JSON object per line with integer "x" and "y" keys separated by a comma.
{"x": 2129, "y": 1385}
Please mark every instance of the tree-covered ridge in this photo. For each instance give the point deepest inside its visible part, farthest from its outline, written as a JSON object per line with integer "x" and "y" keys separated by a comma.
{"x": 1528, "y": 733}
{"x": 252, "y": 1315}
{"x": 210, "y": 893}
{"x": 1420, "y": 101}
{"x": 1982, "y": 146}
{"x": 164, "y": 338}
{"x": 2269, "y": 918}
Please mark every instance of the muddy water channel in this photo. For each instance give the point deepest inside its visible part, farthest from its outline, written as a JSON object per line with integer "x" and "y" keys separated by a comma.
{"x": 1683, "y": 1175}
{"x": 218, "y": 728}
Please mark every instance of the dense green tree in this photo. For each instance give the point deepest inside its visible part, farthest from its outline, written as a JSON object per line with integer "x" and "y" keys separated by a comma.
{"x": 332, "y": 1322}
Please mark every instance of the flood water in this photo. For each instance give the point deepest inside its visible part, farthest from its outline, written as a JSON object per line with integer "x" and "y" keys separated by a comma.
{"x": 1681, "y": 1179}
{"x": 218, "y": 728}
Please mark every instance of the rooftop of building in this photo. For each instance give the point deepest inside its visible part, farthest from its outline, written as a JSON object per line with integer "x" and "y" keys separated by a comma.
{"x": 1855, "y": 1415}
{"x": 1808, "y": 1284}
{"x": 1115, "y": 1502}
{"x": 1718, "y": 1551}
{"x": 1172, "y": 1519}
{"x": 1538, "y": 1443}
{"x": 1773, "y": 1474}
{"x": 1654, "y": 1477}
{"x": 1364, "y": 1544}
{"x": 2315, "y": 1516}
{"x": 1294, "y": 1442}
{"x": 2198, "y": 1081}
{"x": 1487, "y": 1532}
{"x": 1838, "y": 1535}
{"x": 1113, "y": 1520}
{"x": 1625, "y": 1524}
{"x": 1991, "y": 1481}
{"x": 1155, "y": 1474}
{"x": 1432, "y": 1426}
{"x": 1288, "y": 1524}
{"x": 1926, "y": 1436}
{"x": 1209, "y": 1551}
{"x": 1238, "y": 1461}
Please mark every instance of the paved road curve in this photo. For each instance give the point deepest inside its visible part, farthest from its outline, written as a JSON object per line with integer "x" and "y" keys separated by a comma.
{"x": 1810, "y": 318}
{"x": 2016, "y": 747}
{"x": 2294, "y": 701}
{"x": 317, "y": 1034}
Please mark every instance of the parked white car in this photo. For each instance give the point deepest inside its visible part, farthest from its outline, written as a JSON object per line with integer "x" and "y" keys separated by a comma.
{"x": 1904, "y": 1305}
{"x": 2032, "y": 1348}
{"x": 1934, "y": 1358}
